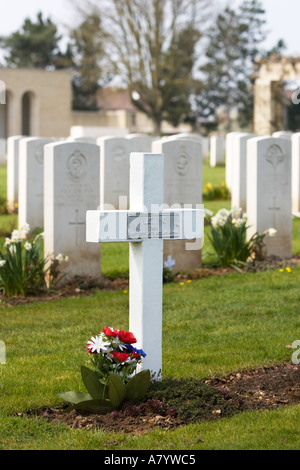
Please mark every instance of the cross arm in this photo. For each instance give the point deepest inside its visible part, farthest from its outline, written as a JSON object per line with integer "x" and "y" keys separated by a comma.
{"x": 129, "y": 226}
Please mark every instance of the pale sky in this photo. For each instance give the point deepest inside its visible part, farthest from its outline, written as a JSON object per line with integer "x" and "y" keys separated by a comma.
{"x": 282, "y": 18}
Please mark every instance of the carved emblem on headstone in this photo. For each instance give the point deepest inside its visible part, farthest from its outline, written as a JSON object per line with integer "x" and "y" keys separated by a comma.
{"x": 118, "y": 154}
{"x": 182, "y": 162}
{"x": 39, "y": 154}
{"x": 275, "y": 156}
{"x": 77, "y": 166}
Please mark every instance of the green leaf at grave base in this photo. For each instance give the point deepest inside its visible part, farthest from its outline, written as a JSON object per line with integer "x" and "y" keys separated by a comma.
{"x": 100, "y": 407}
{"x": 92, "y": 383}
{"x": 138, "y": 385}
{"x": 75, "y": 397}
{"x": 116, "y": 390}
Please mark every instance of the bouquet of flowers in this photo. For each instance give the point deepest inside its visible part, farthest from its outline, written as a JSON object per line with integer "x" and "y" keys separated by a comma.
{"x": 112, "y": 351}
{"x": 113, "y": 378}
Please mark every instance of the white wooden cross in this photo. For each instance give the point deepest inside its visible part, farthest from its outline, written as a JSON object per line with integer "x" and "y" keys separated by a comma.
{"x": 145, "y": 226}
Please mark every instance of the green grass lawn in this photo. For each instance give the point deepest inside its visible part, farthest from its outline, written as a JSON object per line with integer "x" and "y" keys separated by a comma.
{"x": 212, "y": 326}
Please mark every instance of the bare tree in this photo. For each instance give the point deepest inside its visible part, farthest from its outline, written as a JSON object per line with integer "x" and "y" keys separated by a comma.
{"x": 151, "y": 45}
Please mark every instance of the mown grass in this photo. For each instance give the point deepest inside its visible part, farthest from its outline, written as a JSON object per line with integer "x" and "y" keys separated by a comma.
{"x": 212, "y": 326}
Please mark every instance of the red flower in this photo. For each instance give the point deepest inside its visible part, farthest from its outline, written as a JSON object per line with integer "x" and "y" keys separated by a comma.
{"x": 122, "y": 357}
{"x": 109, "y": 332}
{"x": 126, "y": 337}
{"x": 134, "y": 355}
{"x": 89, "y": 348}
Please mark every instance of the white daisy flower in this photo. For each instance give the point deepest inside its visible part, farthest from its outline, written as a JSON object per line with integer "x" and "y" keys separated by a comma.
{"x": 99, "y": 345}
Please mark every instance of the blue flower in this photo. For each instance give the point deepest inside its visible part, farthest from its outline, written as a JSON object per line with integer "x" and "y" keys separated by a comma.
{"x": 130, "y": 349}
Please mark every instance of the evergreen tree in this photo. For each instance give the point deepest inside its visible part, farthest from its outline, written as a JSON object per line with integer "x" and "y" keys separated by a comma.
{"x": 35, "y": 45}
{"x": 227, "y": 75}
{"x": 88, "y": 52}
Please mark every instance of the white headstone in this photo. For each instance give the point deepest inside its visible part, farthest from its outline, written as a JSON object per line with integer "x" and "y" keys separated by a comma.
{"x": 89, "y": 140}
{"x": 217, "y": 150}
{"x": 94, "y": 131}
{"x": 296, "y": 172}
{"x": 114, "y": 171}
{"x": 183, "y": 186}
{"x": 140, "y": 142}
{"x": 205, "y": 147}
{"x": 72, "y": 173}
{"x": 229, "y": 157}
{"x": 269, "y": 192}
{"x": 145, "y": 226}
{"x": 13, "y": 171}
{"x": 31, "y": 181}
{"x": 2, "y": 353}
{"x": 3, "y": 159}
{"x": 283, "y": 134}
{"x": 239, "y": 170}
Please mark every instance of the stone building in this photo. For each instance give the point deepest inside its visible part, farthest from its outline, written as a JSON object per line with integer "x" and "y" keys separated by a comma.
{"x": 39, "y": 103}
{"x": 272, "y": 95}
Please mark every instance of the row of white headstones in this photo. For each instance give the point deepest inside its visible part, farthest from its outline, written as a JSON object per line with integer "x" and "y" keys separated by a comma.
{"x": 263, "y": 174}
{"x": 66, "y": 179}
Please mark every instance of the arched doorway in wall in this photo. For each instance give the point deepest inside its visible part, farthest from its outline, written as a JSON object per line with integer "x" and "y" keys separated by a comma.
{"x": 29, "y": 114}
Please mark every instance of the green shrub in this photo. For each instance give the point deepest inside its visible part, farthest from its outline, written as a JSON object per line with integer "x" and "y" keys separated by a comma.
{"x": 216, "y": 192}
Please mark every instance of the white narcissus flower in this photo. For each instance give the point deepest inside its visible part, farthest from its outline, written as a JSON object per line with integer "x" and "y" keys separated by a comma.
{"x": 2, "y": 263}
{"x": 236, "y": 212}
{"x": 60, "y": 258}
{"x": 12, "y": 249}
{"x": 272, "y": 232}
{"x": 16, "y": 236}
{"x": 214, "y": 221}
{"x": 25, "y": 230}
{"x": 27, "y": 246}
{"x": 7, "y": 242}
{"x": 208, "y": 213}
{"x": 238, "y": 222}
{"x": 224, "y": 213}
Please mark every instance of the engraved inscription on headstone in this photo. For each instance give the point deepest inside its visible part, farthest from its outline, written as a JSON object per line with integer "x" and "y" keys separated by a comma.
{"x": 77, "y": 166}
{"x": 275, "y": 157}
{"x": 39, "y": 154}
{"x": 182, "y": 162}
{"x": 119, "y": 154}
{"x": 79, "y": 229}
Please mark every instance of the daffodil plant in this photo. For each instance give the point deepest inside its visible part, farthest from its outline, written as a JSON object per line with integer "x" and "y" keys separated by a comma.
{"x": 228, "y": 237}
{"x": 23, "y": 267}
